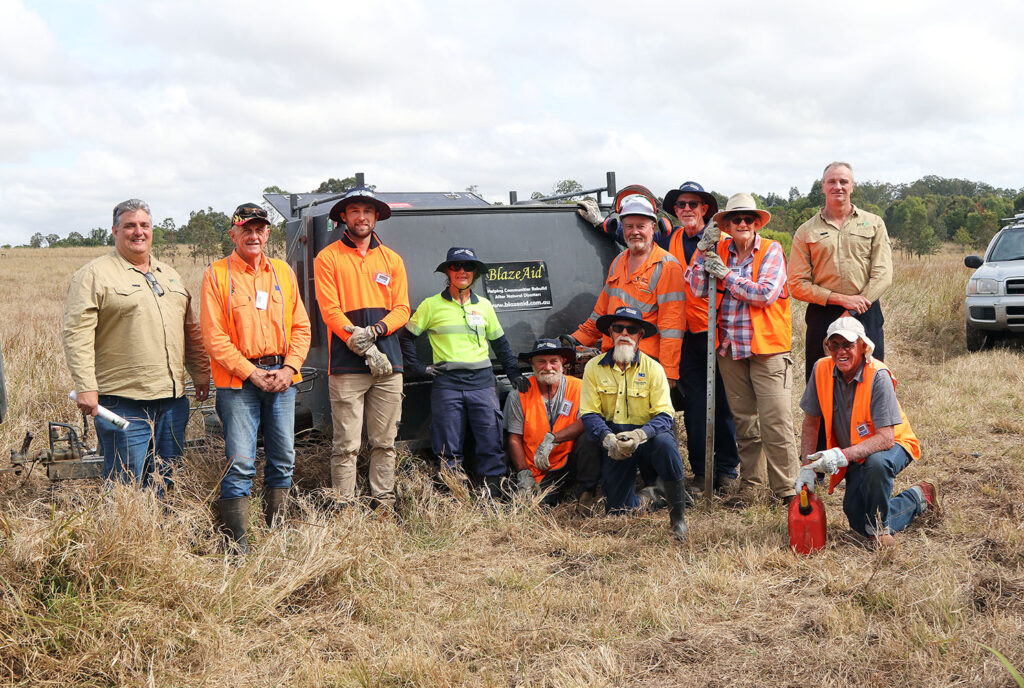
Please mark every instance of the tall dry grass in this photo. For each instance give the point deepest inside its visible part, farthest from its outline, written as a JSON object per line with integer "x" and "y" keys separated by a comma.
{"x": 116, "y": 588}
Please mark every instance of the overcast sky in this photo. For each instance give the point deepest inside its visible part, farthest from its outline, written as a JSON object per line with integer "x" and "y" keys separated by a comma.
{"x": 195, "y": 104}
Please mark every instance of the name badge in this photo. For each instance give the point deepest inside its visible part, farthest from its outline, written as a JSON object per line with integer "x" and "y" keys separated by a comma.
{"x": 862, "y": 430}
{"x": 566, "y": 408}
{"x": 475, "y": 319}
{"x": 262, "y": 299}
{"x": 381, "y": 278}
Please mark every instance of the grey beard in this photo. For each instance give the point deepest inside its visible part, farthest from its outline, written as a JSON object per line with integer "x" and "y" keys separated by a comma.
{"x": 624, "y": 352}
{"x": 548, "y": 377}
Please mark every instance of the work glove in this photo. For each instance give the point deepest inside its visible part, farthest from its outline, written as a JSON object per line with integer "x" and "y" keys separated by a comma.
{"x": 589, "y": 211}
{"x": 713, "y": 265}
{"x": 611, "y": 445}
{"x": 805, "y": 478}
{"x": 541, "y": 457}
{"x": 828, "y": 462}
{"x": 362, "y": 339}
{"x": 629, "y": 440}
{"x": 569, "y": 341}
{"x": 379, "y": 364}
{"x": 525, "y": 484}
{"x": 435, "y": 369}
{"x": 520, "y": 383}
{"x": 710, "y": 238}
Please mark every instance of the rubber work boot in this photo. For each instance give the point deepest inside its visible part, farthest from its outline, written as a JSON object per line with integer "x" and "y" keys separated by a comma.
{"x": 675, "y": 492}
{"x": 275, "y": 501}
{"x": 234, "y": 514}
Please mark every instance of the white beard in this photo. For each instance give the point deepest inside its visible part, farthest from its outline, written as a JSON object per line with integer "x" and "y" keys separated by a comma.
{"x": 548, "y": 377}
{"x": 624, "y": 352}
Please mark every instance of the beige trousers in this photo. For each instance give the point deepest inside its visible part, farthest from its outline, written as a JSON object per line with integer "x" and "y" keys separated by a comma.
{"x": 760, "y": 391}
{"x": 353, "y": 397}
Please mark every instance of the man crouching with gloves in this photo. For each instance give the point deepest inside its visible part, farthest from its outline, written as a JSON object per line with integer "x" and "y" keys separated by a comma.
{"x": 868, "y": 436}
{"x": 625, "y": 406}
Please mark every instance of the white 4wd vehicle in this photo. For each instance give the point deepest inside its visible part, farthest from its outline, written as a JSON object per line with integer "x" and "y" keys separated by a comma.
{"x": 995, "y": 292}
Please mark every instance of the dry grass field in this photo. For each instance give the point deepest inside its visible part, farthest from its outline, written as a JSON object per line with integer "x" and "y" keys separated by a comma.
{"x": 112, "y": 589}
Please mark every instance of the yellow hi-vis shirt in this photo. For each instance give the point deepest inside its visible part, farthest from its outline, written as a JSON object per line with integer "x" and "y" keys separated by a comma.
{"x": 626, "y": 397}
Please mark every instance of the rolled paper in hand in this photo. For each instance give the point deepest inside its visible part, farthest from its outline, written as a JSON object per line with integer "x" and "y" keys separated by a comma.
{"x": 104, "y": 413}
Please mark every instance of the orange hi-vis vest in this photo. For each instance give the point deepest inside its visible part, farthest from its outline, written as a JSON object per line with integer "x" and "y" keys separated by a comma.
{"x": 861, "y": 414}
{"x": 773, "y": 325}
{"x": 695, "y": 309}
{"x": 222, "y": 377}
{"x": 535, "y": 423}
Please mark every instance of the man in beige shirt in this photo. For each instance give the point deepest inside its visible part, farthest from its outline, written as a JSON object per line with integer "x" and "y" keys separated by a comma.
{"x": 840, "y": 263}
{"x": 129, "y": 335}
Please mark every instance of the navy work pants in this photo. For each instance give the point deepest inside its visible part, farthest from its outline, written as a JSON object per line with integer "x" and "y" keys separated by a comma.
{"x": 658, "y": 454}
{"x": 453, "y": 410}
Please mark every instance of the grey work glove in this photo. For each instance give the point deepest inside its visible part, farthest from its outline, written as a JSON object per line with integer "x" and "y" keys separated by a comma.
{"x": 713, "y": 265}
{"x": 589, "y": 211}
{"x": 629, "y": 440}
{"x": 520, "y": 383}
{"x": 569, "y": 341}
{"x": 379, "y": 364}
{"x": 525, "y": 484}
{"x": 829, "y": 461}
{"x": 611, "y": 445}
{"x": 435, "y": 369}
{"x": 710, "y": 238}
{"x": 804, "y": 479}
{"x": 362, "y": 339}
{"x": 541, "y": 457}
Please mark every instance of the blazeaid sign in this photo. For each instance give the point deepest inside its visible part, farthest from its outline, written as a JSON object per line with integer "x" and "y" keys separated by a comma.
{"x": 518, "y": 286}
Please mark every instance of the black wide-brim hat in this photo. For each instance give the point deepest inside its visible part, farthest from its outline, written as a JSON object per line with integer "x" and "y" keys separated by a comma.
{"x": 462, "y": 254}
{"x": 548, "y": 347}
{"x": 668, "y": 205}
{"x": 360, "y": 195}
{"x": 626, "y": 313}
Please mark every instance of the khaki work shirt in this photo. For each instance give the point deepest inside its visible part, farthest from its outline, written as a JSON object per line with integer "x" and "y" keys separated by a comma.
{"x": 855, "y": 259}
{"x": 121, "y": 338}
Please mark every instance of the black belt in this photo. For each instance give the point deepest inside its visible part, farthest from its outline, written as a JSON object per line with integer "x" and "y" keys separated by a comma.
{"x": 267, "y": 360}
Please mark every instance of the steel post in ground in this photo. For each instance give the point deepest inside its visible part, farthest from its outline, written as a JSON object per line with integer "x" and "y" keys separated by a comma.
{"x": 709, "y": 416}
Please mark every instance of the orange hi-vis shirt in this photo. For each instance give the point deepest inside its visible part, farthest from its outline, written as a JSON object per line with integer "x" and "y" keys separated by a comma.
{"x": 536, "y": 424}
{"x": 657, "y": 290}
{"x": 860, "y": 416}
{"x": 280, "y": 329}
{"x": 361, "y": 290}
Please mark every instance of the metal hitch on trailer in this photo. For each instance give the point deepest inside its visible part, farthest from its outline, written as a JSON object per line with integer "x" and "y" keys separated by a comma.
{"x": 66, "y": 459}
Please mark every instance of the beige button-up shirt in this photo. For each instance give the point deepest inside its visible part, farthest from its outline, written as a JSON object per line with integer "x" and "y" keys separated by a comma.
{"x": 855, "y": 259}
{"x": 121, "y": 338}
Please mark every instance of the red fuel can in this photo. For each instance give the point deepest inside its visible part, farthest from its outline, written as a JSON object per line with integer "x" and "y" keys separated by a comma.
{"x": 806, "y": 523}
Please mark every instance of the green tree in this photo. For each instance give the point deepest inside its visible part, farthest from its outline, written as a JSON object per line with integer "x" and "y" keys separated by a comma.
{"x": 52, "y": 240}
{"x": 568, "y": 186}
{"x": 913, "y": 233}
{"x": 982, "y": 225}
{"x": 333, "y": 185}
{"x": 37, "y": 240}
{"x": 98, "y": 236}
{"x": 962, "y": 237}
{"x": 816, "y": 196}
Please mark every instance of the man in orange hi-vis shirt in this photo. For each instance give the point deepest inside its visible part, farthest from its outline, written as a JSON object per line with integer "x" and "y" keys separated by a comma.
{"x": 256, "y": 332}
{"x": 363, "y": 294}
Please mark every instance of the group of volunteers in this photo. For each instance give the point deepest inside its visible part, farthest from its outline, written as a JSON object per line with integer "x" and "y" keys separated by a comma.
{"x": 130, "y": 336}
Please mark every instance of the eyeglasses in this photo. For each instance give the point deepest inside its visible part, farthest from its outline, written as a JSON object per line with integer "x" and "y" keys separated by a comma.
{"x": 740, "y": 219}
{"x": 465, "y": 267}
{"x": 619, "y": 329}
{"x": 688, "y": 204}
{"x": 157, "y": 289}
{"x": 836, "y": 345}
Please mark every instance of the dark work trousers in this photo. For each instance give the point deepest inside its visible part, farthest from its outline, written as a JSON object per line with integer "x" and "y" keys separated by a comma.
{"x": 581, "y": 472}
{"x": 659, "y": 453}
{"x": 453, "y": 410}
{"x": 690, "y": 397}
{"x": 818, "y": 318}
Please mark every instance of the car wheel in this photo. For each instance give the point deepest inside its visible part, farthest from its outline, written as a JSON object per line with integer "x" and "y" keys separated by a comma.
{"x": 975, "y": 339}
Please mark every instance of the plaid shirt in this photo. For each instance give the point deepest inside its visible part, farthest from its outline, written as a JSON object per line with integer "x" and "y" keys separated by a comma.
{"x": 735, "y": 327}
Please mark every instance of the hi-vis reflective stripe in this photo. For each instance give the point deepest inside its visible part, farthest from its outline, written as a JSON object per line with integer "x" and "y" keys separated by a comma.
{"x": 467, "y": 365}
{"x": 453, "y": 329}
{"x": 655, "y": 275}
{"x": 671, "y": 334}
{"x": 671, "y": 296}
{"x": 629, "y": 299}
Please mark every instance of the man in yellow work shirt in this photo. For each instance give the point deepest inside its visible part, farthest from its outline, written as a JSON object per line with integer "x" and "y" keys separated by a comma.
{"x": 257, "y": 334}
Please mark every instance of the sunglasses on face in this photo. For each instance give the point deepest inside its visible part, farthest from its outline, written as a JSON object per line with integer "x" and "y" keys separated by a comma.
{"x": 740, "y": 219}
{"x": 629, "y": 329}
{"x": 840, "y": 345}
{"x": 465, "y": 267}
{"x": 688, "y": 204}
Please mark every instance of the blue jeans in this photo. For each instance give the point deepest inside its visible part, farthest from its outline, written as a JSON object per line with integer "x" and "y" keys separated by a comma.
{"x": 243, "y": 412}
{"x": 453, "y": 410}
{"x": 868, "y": 486}
{"x": 659, "y": 454}
{"x": 155, "y": 439}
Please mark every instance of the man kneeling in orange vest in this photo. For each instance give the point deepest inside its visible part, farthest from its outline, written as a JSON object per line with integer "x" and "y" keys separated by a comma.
{"x": 868, "y": 436}
{"x": 544, "y": 428}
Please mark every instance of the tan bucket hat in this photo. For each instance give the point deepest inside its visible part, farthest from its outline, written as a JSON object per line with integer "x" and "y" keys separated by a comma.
{"x": 742, "y": 202}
